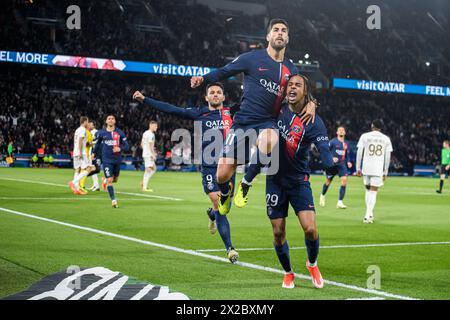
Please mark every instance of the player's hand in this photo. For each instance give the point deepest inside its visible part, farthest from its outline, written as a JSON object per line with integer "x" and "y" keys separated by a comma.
{"x": 138, "y": 96}
{"x": 116, "y": 149}
{"x": 335, "y": 160}
{"x": 349, "y": 165}
{"x": 358, "y": 173}
{"x": 196, "y": 82}
{"x": 310, "y": 113}
{"x": 93, "y": 156}
{"x": 447, "y": 167}
{"x": 81, "y": 155}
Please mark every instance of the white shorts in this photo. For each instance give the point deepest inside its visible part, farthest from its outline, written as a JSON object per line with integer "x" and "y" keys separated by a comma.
{"x": 80, "y": 162}
{"x": 374, "y": 181}
{"x": 149, "y": 162}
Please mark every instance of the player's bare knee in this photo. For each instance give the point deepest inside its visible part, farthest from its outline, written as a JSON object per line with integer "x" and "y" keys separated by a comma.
{"x": 224, "y": 173}
{"x": 267, "y": 140}
{"x": 311, "y": 232}
{"x": 279, "y": 235}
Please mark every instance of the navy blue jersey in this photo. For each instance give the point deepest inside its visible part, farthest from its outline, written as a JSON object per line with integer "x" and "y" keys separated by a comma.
{"x": 210, "y": 119}
{"x": 339, "y": 150}
{"x": 295, "y": 143}
{"x": 265, "y": 82}
{"x": 106, "y": 140}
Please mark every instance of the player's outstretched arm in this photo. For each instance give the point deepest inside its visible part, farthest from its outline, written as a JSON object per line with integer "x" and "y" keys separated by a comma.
{"x": 166, "y": 107}
{"x": 238, "y": 65}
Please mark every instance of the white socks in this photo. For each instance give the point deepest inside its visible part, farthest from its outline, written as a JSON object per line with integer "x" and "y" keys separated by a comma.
{"x": 78, "y": 178}
{"x": 371, "y": 200}
{"x": 95, "y": 180}
{"x": 147, "y": 176}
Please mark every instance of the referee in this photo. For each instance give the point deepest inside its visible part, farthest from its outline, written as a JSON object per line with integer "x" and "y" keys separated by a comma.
{"x": 445, "y": 164}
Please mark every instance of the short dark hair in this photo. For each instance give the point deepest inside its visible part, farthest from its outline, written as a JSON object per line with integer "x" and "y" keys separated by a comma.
{"x": 377, "y": 124}
{"x": 214, "y": 84}
{"x": 274, "y": 22}
{"x": 153, "y": 122}
{"x": 83, "y": 119}
{"x": 447, "y": 142}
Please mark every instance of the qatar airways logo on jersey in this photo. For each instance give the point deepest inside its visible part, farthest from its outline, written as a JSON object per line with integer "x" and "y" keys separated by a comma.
{"x": 110, "y": 143}
{"x": 272, "y": 87}
{"x": 284, "y": 131}
{"x": 218, "y": 124}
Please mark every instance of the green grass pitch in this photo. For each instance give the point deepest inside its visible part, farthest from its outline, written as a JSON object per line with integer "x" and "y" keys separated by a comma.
{"x": 407, "y": 211}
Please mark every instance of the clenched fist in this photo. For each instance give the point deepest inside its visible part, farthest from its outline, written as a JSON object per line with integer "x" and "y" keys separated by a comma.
{"x": 196, "y": 82}
{"x": 138, "y": 96}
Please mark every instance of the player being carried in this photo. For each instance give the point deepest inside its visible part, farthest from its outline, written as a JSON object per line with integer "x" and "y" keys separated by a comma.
{"x": 212, "y": 117}
{"x": 111, "y": 142}
{"x": 266, "y": 73}
{"x": 445, "y": 164}
{"x": 339, "y": 150}
{"x": 149, "y": 154}
{"x": 374, "y": 150}
{"x": 290, "y": 185}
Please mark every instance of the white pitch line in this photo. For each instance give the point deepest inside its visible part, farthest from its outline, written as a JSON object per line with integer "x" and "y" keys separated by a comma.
{"x": 74, "y": 198}
{"x": 369, "y": 245}
{"x": 65, "y": 186}
{"x": 203, "y": 255}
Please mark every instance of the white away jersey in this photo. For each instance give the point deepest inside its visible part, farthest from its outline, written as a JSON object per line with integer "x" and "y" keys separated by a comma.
{"x": 375, "y": 145}
{"x": 79, "y": 133}
{"x": 148, "y": 137}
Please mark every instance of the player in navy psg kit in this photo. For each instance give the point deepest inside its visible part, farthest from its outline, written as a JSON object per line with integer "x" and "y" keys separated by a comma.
{"x": 111, "y": 142}
{"x": 266, "y": 73}
{"x": 290, "y": 185}
{"x": 339, "y": 149}
{"x": 212, "y": 117}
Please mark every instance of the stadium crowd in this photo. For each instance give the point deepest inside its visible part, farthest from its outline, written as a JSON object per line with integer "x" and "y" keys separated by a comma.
{"x": 42, "y": 108}
{"x": 189, "y": 33}
{"x": 42, "y": 105}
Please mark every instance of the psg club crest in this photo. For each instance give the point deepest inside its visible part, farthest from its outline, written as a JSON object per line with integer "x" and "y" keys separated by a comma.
{"x": 226, "y": 112}
{"x": 296, "y": 129}
{"x": 286, "y": 77}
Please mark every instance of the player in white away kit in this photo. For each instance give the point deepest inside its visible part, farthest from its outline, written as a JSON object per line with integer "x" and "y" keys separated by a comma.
{"x": 80, "y": 158}
{"x": 374, "y": 149}
{"x": 95, "y": 185}
{"x": 149, "y": 154}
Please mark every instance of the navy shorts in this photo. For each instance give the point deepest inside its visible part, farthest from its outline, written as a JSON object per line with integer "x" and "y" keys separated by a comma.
{"x": 241, "y": 138}
{"x": 209, "y": 180}
{"x": 342, "y": 171}
{"x": 111, "y": 170}
{"x": 280, "y": 192}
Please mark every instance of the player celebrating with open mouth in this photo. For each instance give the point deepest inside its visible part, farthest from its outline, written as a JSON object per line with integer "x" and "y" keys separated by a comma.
{"x": 290, "y": 185}
{"x": 266, "y": 73}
